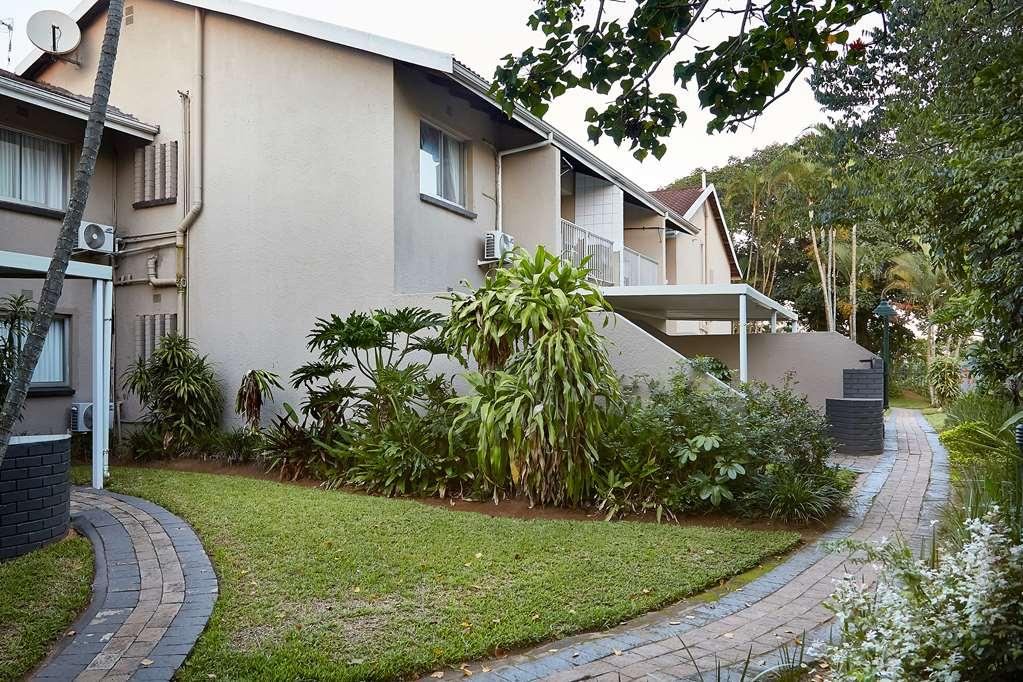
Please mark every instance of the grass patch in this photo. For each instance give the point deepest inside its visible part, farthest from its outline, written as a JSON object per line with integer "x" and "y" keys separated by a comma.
{"x": 40, "y": 594}
{"x": 320, "y": 584}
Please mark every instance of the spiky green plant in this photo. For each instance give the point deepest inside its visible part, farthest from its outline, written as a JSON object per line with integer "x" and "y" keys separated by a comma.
{"x": 16, "y": 313}
{"x": 945, "y": 379}
{"x": 178, "y": 390}
{"x": 544, "y": 380}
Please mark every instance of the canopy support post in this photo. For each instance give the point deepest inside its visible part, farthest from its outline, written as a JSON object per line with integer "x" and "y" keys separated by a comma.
{"x": 743, "y": 348}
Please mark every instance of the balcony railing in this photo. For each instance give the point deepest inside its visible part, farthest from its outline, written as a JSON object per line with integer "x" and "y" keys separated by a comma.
{"x": 578, "y": 242}
{"x": 637, "y": 269}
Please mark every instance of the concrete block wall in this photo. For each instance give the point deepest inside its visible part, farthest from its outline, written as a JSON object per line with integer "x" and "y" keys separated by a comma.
{"x": 35, "y": 493}
{"x": 863, "y": 383}
{"x": 856, "y": 424}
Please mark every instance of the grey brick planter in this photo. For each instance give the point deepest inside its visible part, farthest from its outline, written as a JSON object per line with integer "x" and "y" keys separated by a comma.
{"x": 34, "y": 493}
{"x": 856, "y": 424}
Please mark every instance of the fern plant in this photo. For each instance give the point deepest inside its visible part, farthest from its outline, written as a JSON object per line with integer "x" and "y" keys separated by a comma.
{"x": 544, "y": 376}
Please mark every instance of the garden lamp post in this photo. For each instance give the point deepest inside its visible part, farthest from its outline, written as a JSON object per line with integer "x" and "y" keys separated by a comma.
{"x": 885, "y": 311}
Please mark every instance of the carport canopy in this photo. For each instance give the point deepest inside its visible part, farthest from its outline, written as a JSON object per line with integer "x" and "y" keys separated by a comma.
{"x": 14, "y": 265}
{"x": 739, "y": 303}
{"x": 698, "y": 302}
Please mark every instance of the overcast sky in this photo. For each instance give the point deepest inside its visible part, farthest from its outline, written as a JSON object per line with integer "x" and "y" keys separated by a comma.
{"x": 479, "y": 33}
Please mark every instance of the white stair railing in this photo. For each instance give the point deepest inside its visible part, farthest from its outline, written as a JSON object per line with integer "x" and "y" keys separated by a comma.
{"x": 637, "y": 269}
{"x": 578, "y": 242}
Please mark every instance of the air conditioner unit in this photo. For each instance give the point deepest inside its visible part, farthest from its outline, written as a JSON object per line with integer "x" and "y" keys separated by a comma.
{"x": 95, "y": 237}
{"x": 497, "y": 245}
{"x": 81, "y": 416}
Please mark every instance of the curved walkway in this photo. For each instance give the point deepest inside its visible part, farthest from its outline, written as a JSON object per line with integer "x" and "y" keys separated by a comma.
{"x": 153, "y": 592}
{"x": 903, "y": 490}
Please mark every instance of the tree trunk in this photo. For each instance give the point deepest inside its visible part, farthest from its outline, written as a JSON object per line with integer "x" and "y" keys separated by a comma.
{"x": 852, "y": 285}
{"x": 823, "y": 275}
{"x": 931, "y": 343}
{"x": 54, "y": 282}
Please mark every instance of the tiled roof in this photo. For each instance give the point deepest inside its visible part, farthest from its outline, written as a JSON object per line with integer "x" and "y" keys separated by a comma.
{"x": 62, "y": 92}
{"x": 679, "y": 199}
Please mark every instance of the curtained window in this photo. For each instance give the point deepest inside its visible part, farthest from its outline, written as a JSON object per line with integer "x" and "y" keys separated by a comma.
{"x": 441, "y": 165}
{"x": 33, "y": 170}
{"x": 52, "y": 368}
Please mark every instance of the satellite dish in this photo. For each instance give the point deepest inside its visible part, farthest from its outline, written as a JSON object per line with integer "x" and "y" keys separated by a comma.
{"x": 54, "y": 32}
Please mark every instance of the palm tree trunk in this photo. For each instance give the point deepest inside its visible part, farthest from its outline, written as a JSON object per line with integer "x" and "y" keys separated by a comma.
{"x": 823, "y": 275}
{"x": 54, "y": 282}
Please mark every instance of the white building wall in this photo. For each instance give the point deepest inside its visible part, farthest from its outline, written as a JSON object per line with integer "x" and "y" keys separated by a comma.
{"x": 599, "y": 207}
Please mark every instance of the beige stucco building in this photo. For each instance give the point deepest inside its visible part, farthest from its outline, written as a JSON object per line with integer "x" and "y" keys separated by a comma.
{"x": 277, "y": 169}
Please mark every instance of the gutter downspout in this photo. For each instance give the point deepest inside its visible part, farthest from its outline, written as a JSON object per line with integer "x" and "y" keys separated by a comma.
{"x": 181, "y": 232}
{"x": 500, "y": 157}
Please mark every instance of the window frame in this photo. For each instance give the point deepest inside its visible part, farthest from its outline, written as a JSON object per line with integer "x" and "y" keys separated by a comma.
{"x": 68, "y": 171}
{"x": 49, "y": 387}
{"x": 464, "y": 145}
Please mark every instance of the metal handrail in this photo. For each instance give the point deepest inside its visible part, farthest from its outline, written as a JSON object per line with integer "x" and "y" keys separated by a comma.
{"x": 578, "y": 243}
{"x": 637, "y": 269}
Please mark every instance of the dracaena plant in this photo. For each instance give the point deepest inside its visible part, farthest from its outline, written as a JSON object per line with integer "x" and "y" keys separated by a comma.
{"x": 178, "y": 389}
{"x": 545, "y": 376}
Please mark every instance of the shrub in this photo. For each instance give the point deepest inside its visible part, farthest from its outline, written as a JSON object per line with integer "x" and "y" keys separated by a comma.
{"x": 784, "y": 493}
{"x": 712, "y": 366}
{"x": 687, "y": 447}
{"x": 257, "y": 386}
{"x": 178, "y": 390}
{"x": 977, "y": 406}
{"x": 545, "y": 380}
{"x": 298, "y": 448}
{"x": 410, "y": 454}
{"x": 370, "y": 405}
{"x": 958, "y": 616}
{"x": 16, "y": 313}
{"x": 945, "y": 377}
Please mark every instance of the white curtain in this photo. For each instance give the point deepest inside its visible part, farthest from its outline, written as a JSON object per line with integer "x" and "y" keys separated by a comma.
{"x": 43, "y": 169}
{"x": 10, "y": 165}
{"x": 453, "y": 160}
{"x": 33, "y": 170}
{"x": 52, "y": 365}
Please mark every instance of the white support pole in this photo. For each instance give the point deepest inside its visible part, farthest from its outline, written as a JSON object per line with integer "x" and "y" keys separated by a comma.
{"x": 774, "y": 321}
{"x": 98, "y": 384}
{"x": 743, "y": 350}
{"x": 108, "y": 334}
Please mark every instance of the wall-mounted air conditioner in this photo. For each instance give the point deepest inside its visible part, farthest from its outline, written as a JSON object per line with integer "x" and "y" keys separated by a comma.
{"x": 497, "y": 245}
{"x": 95, "y": 237}
{"x": 81, "y": 416}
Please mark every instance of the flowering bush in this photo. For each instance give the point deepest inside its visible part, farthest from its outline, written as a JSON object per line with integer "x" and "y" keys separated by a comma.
{"x": 958, "y": 616}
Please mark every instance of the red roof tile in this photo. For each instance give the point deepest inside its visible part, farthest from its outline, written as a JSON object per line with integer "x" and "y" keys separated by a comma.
{"x": 679, "y": 199}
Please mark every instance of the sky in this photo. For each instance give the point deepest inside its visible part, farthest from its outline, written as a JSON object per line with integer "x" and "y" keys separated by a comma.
{"x": 480, "y": 33}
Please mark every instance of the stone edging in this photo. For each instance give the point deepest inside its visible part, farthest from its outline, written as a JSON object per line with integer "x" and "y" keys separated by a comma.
{"x": 153, "y": 593}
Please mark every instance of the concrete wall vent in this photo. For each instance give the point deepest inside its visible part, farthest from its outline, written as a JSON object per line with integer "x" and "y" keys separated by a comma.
{"x": 156, "y": 175}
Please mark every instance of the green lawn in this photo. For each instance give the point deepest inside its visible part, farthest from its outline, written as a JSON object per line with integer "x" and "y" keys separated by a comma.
{"x": 41, "y": 593}
{"x": 320, "y": 584}
{"x": 934, "y": 415}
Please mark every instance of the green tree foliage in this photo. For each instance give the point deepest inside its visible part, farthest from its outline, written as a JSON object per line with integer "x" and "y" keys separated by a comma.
{"x": 538, "y": 402}
{"x": 589, "y": 46}
{"x": 938, "y": 105}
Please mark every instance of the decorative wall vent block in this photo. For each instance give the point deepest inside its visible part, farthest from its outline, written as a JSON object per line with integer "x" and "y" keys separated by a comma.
{"x": 156, "y": 175}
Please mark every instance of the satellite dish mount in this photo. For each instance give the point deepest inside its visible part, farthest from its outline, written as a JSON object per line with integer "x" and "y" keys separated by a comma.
{"x": 55, "y": 33}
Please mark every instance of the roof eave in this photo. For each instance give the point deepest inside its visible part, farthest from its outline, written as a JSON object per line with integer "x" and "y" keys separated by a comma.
{"x": 293, "y": 23}
{"x": 69, "y": 106}
{"x": 471, "y": 80}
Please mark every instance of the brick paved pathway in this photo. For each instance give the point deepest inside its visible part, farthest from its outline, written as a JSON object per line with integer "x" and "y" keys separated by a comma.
{"x": 901, "y": 492}
{"x": 153, "y": 593}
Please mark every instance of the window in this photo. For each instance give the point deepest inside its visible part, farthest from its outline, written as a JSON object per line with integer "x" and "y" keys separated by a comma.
{"x": 33, "y": 170}
{"x": 52, "y": 368}
{"x": 441, "y": 165}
